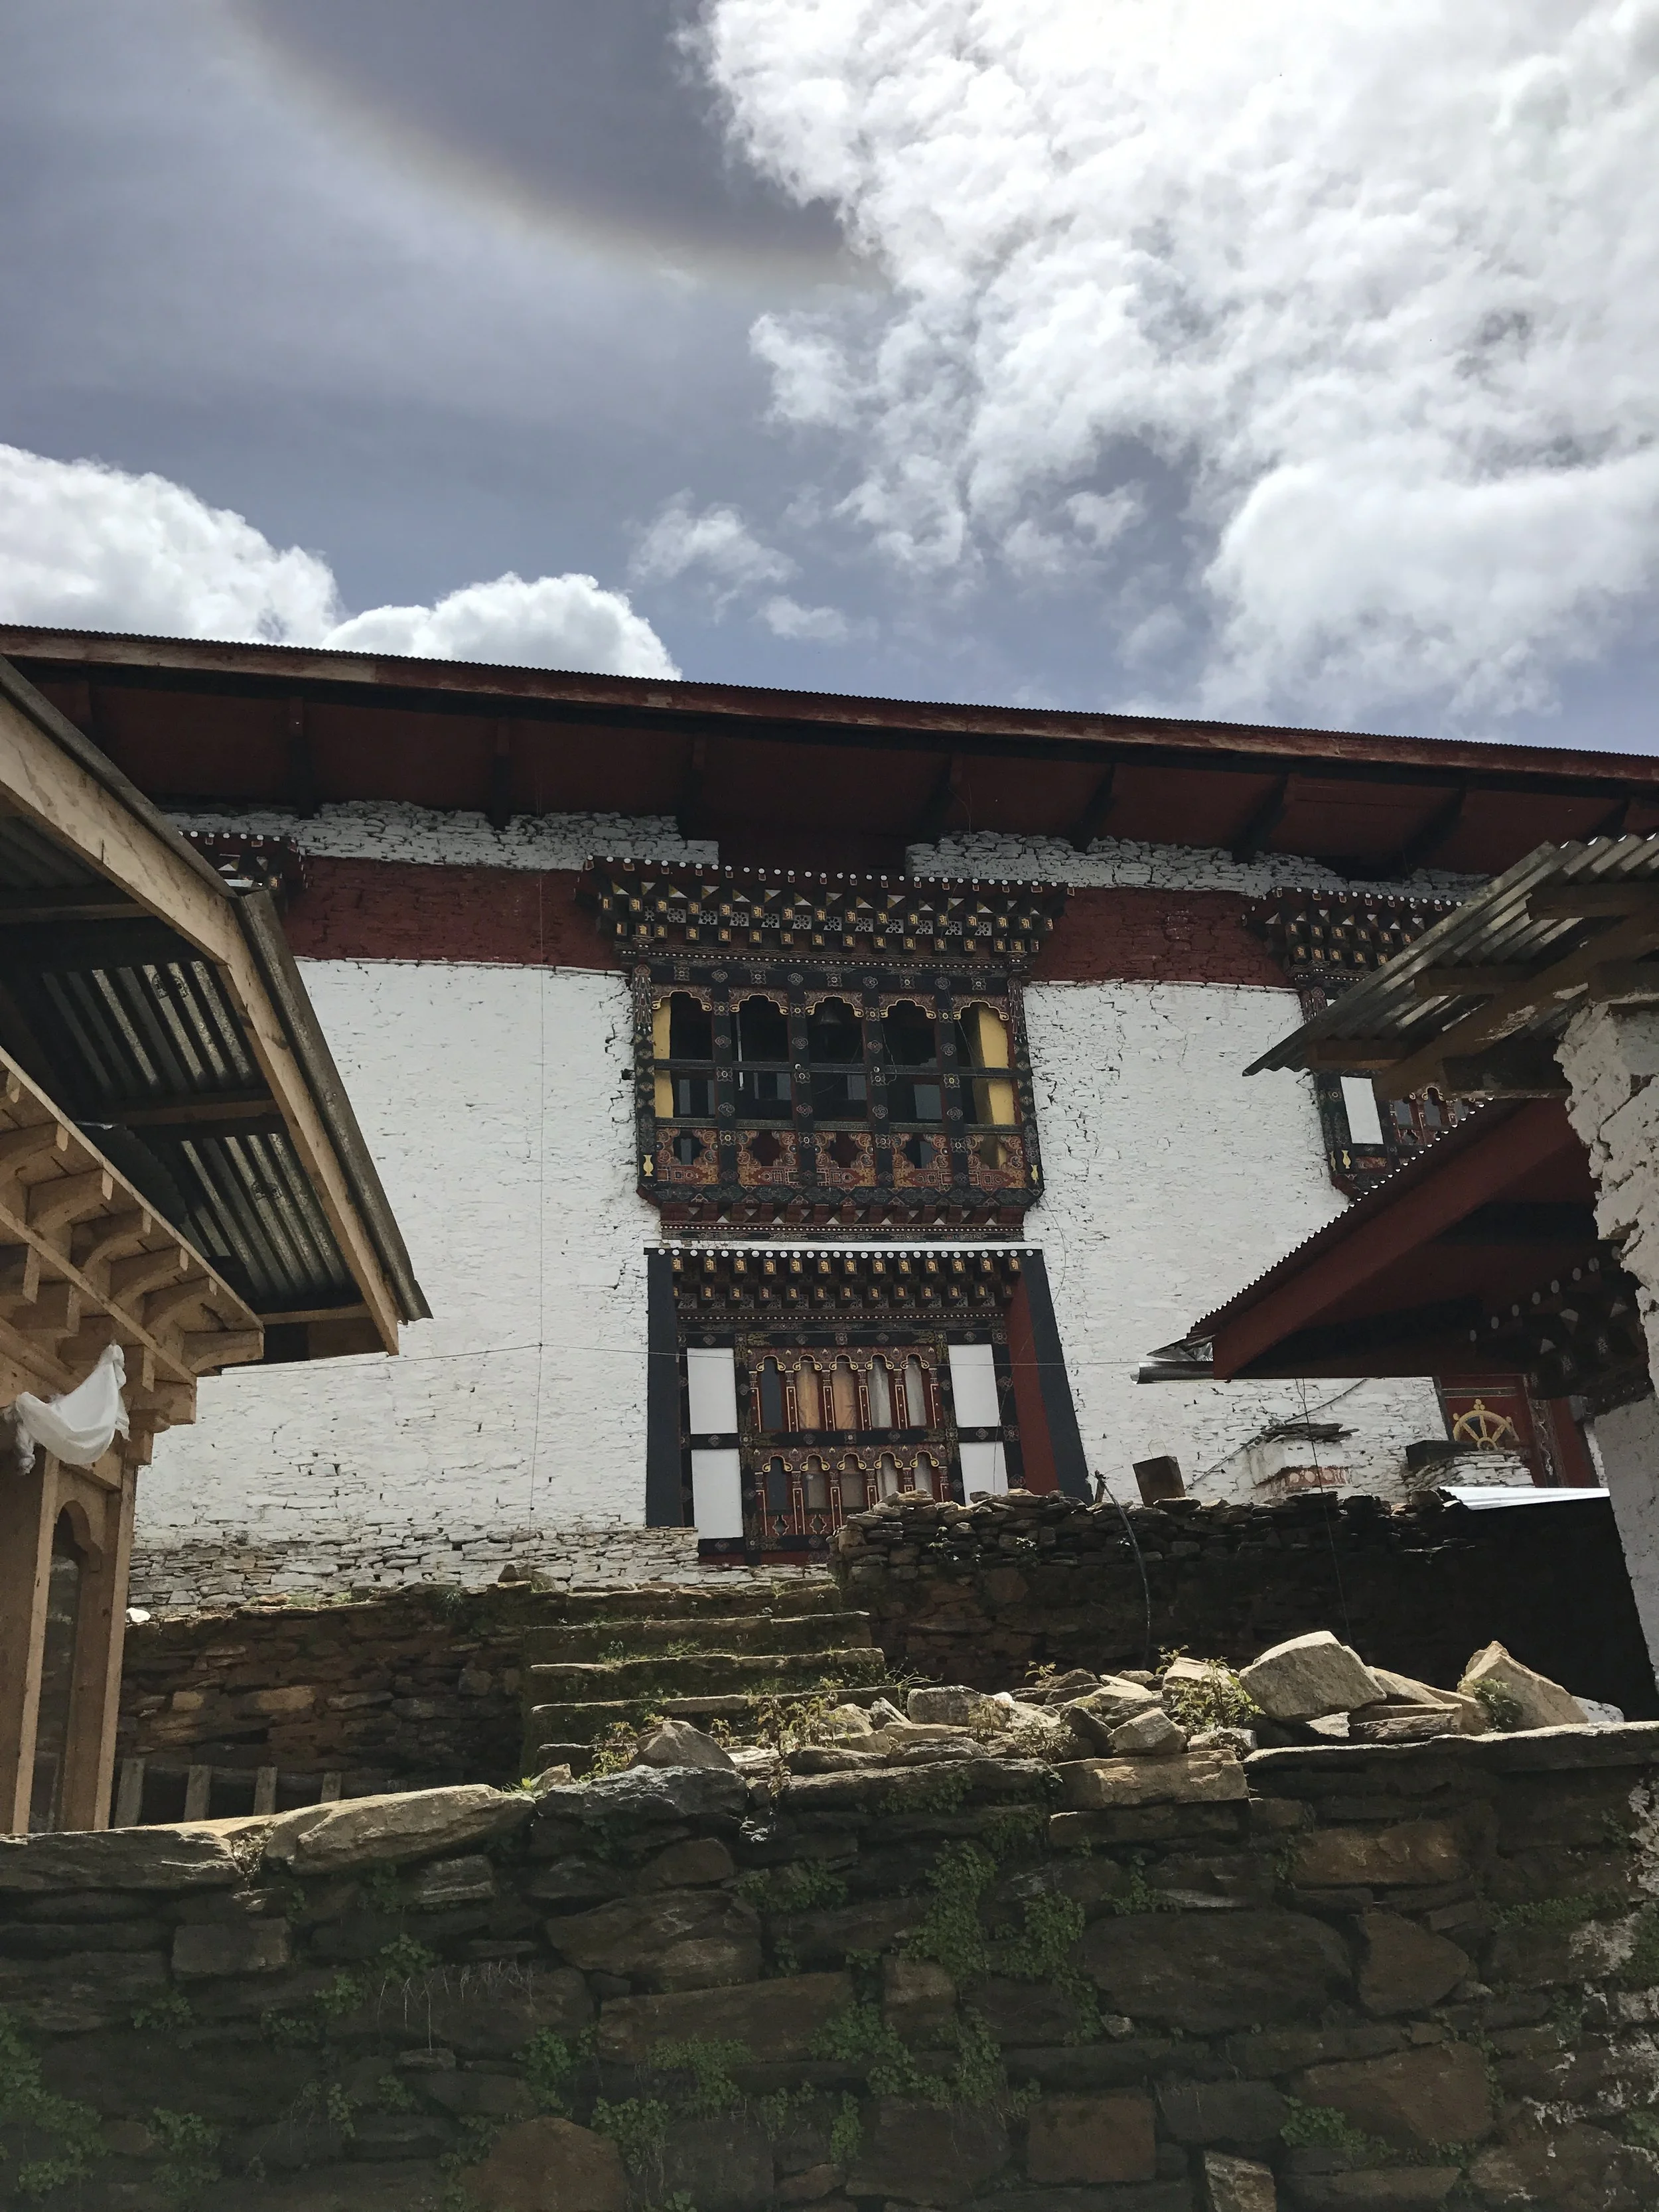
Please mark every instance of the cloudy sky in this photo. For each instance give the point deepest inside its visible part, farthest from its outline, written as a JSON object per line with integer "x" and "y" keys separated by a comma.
{"x": 1294, "y": 361}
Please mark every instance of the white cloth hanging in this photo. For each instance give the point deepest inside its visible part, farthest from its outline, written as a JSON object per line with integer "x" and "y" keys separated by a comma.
{"x": 80, "y": 1426}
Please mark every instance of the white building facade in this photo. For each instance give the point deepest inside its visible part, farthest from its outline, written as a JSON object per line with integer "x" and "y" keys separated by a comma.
{"x": 787, "y": 1098}
{"x": 498, "y": 1097}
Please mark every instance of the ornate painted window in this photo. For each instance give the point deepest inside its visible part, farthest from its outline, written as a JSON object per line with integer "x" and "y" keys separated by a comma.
{"x": 817, "y": 1384}
{"x": 1325, "y": 943}
{"x": 891, "y": 1089}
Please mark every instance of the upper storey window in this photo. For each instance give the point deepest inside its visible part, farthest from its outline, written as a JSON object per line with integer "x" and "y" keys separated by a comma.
{"x": 785, "y": 1081}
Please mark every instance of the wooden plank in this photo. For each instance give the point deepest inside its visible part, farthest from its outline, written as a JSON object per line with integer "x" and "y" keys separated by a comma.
{"x": 28, "y": 1512}
{"x": 68, "y": 1197}
{"x": 264, "y": 1790}
{"x": 205, "y": 1348}
{"x": 180, "y": 1112}
{"x": 19, "y": 1146}
{"x": 162, "y": 1306}
{"x": 107, "y": 1233}
{"x": 199, "y": 1788}
{"x": 1585, "y": 901}
{"x": 128, "y": 1794}
{"x": 251, "y": 987}
{"x": 146, "y": 1271}
{"x": 1508, "y": 1010}
{"x": 100, "y": 1639}
{"x": 67, "y": 903}
{"x": 1468, "y": 983}
{"x": 1357, "y": 1054}
{"x": 1629, "y": 981}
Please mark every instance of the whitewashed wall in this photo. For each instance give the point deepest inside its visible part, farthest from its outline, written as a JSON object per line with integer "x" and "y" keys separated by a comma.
{"x": 1171, "y": 1183}
{"x": 494, "y": 1101}
{"x": 513, "y": 1425}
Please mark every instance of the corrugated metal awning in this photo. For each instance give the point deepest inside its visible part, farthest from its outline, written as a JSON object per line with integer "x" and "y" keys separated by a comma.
{"x": 1570, "y": 922}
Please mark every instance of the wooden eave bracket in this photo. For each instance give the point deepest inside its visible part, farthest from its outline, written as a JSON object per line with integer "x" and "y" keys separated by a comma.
{"x": 70, "y": 1277}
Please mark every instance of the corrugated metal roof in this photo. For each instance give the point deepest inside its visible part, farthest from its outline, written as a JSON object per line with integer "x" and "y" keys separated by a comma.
{"x": 1495, "y": 928}
{"x": 137, "y": 1026}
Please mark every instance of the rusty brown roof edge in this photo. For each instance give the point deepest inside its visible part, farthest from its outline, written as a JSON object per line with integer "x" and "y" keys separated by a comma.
{"x": 16, "y": 687}
{"x": 285, "y": 666}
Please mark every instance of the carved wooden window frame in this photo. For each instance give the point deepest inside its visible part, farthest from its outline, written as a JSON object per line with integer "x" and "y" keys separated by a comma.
{"x": 862, "y": 1169}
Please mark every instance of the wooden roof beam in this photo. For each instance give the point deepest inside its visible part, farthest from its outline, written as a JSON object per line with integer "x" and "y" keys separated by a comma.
{"x": 1264, "y": 818}
{"x": 1426, "y": 840}
{"x": 302, "y": 778}
{"x": 936, "y": 806}
{"x": 1092, "y": 820}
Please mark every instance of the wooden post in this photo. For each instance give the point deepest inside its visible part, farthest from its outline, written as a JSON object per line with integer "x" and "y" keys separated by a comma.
{"x": 28, "y": 1510}
{"x": 94, "y": 1704}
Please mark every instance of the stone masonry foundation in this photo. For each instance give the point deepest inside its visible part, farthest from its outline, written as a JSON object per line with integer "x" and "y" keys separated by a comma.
{"x": 1406, "y": 1976}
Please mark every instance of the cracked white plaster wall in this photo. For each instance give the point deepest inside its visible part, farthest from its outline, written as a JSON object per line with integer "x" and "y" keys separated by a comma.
{"x": 1172, "y": 1181}
{"x": 392, "y": 829}
{"x": 495, "y": 1101}
{"x": 1124, "y": 864}
{"x": 1610, "y": 1056}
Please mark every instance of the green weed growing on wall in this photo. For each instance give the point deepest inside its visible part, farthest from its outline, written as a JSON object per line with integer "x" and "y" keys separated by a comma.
{"x": 71, "y": 2128}
{"x": 190, "y": 2160}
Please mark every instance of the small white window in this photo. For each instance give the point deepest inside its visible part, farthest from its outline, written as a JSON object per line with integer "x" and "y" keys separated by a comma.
{"x": 711, "y": 1391}
{"x": 716, "y": 1493}
{"x": 983, "y": 1468}
{"x": 1359, "y": 1104}
{"x": 974, "y": 1385}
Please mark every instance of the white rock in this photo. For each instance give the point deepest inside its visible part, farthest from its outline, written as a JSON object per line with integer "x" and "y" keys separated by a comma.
{"x": 1542, "y": 1704}
{"x": 677, "y": 1743}
{"x": 847, "y": 1720}
{"x": 1239, "y": 2184}
{"x": 1241, "y": 1739}
{"x": 954, "y": 1707}
{"x": 416, "y": 1824}
{"x": 1150, "y": 1734}
{"x": 1310, "y": 1676}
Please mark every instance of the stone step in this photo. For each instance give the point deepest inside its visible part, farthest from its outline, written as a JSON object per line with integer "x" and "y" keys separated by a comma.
{"x": 553, "y": 1732}
{"x": 696, "y": 1673}
{"x": 610, "y": 1640}
{"x": 717, "y": 1599}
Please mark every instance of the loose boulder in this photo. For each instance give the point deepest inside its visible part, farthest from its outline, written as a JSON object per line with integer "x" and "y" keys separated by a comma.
{"x": 955, "y": 1707}
{"x": 1311, "y": 1676}
{"x": 1532, "y": 1700}
{"x": 1151, "y": 1735}
{"x": 677, "y": 1743}
{"x": 1237, "y": 2185}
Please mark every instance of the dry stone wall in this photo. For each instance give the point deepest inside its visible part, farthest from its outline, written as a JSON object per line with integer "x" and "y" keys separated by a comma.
{"x": 981, "y": 1596}
{"x": 1337, "y": 1978}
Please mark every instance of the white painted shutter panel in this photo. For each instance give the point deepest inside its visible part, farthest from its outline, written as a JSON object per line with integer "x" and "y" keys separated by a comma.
{"x": 716, "y": 1493}
{"x": 711, "y": 1390}
{"x": 974, "y": 1385}
{"x": 983, "y": 1468}
{"x": 1359, "y": 1104}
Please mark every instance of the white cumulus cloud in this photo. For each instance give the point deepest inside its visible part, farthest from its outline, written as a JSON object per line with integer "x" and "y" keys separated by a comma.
{"x": 680, "y": 540}
{"x": 90, "y": 547}
{"x": 1371, "y": 294}
{"x": 787, "y": 617}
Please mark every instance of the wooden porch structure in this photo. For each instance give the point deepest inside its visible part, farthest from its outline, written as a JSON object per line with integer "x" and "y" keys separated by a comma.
{"x": 181, "y": 1175}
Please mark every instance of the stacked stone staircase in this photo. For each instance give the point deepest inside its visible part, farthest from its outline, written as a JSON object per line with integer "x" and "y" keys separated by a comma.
{"x": 695, "y": 1652}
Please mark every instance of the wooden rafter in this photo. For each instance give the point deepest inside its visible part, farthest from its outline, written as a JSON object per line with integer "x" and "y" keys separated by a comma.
{"x": 87, "y": 1261}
